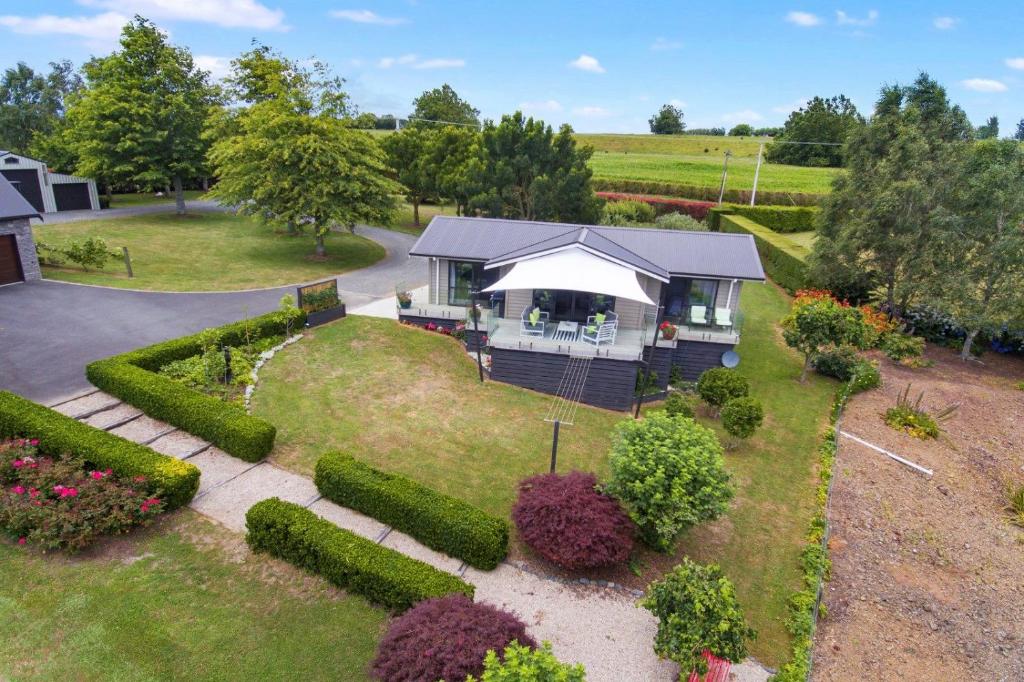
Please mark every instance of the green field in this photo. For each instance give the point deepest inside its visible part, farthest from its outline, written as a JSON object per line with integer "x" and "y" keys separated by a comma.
{"x": 686, "y": 145}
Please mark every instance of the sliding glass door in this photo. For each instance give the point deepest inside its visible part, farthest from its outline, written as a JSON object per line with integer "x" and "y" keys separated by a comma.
{"x": 575, "y": 306}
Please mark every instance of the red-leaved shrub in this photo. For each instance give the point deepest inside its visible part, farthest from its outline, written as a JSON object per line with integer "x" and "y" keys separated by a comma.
{"x": 445, "y": 639}
{"x": 662, "y": 205}
{"x": 569, "y": 523}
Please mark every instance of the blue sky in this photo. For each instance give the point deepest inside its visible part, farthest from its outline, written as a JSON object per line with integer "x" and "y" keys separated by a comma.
{"x": 601, "y": 66}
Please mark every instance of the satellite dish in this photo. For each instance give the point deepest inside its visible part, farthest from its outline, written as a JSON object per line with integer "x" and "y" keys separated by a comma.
{"x": 730, "y": 359}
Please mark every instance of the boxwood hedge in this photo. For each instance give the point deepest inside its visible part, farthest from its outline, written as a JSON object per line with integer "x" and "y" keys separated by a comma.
{"x": 382, "y": 575}
{"x": 783, "y": 258}
{"x": 173, "y": 480}
{"x": 132, "y": 377}
{"x": 441, "y": 522}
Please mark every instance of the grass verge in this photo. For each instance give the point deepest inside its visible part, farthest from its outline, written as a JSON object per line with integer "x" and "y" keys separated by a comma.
{"x": 147, "y": 198}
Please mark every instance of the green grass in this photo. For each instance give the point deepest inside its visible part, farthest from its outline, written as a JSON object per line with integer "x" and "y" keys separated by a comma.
{"x": 403, "y": 217}
{"x": 148, "y": 198}
{"x": 686, "y": 145}
{"x": 206, "y": 251}
{"x": 803, "y": 239}
{"x": 409, "y": 401}
{"x": 180, "y": 601}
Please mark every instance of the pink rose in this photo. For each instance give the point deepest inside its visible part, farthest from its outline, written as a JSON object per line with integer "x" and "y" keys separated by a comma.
{"x": 22, "y": 541}
{"x": 96, "y": 475}
{"x": 34, "y": 442}
{"x": 18, "y": 490}
{"x": 17, "y": 464}
{"x": 33, "y": 492}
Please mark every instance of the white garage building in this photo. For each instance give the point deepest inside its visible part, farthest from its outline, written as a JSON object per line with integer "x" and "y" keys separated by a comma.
{"x": 48, "y": 192}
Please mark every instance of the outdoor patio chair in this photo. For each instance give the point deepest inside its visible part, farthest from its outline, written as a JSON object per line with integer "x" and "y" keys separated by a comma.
{"x": 596, "y": 333}
{"x": 698, "y": 315}
{"x": 532, "y": 326}
{"x": 723, "y": 317}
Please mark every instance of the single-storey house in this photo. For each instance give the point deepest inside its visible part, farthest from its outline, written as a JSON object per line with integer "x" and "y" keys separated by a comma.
{"x": 18, "y": 260}
{"x": 551, "y": 292}
{"x": 48, "y": 192}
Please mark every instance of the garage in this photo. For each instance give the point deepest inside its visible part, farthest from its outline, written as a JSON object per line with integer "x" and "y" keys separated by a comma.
{"x": 18, "y": 260}
{"x": 26, "y": 181}
{"x": 72, "y": 196}
{"x": 10, "y": 262}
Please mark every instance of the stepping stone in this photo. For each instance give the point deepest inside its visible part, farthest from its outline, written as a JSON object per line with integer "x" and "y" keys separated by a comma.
{"x": 229, "y": 502}
{"x": 143, "y": 429}
{"x": 115, "y": 416}
{"x": 87, "y": 405}
{"x": 400, "y": 542}
{"x": 349, "y": 519}
{"x": 178, "y": 444}
{"x": 216, "y": 468}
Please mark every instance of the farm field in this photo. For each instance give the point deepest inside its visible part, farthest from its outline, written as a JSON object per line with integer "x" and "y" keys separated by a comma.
{"x": 686, "y": 145}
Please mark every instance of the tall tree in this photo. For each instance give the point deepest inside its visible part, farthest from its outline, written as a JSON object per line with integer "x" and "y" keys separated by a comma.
{"x": 1019, "y": 135}
{"x": 32, "y": 105}
{"x": 444, "y": 105}
{"x": 821, "y": 120}
{"x": 668, "y": 121}
{"x": 990, "y": 130}
{"x": 141, "y": 116}
{"x": 530, "y": 173}
{"x": 742, "y": 130}
{"x": 980, "y": 264}
{"x": 263, "y": 74}
{"x": 457, "y": 156}
{"x": 409, "y": 155}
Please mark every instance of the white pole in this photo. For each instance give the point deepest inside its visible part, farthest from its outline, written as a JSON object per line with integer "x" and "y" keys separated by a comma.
{"x": 757, "y": 172}
{"x": 725, "y": 174}
{"x": 728, "y": 299}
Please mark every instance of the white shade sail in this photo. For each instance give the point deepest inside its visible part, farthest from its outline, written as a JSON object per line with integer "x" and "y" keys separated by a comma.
{"x": 576, "y": 270}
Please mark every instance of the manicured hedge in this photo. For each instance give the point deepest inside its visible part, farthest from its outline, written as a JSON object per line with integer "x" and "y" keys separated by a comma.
{"x": 382, "y": 575}
{"x": 783, "y": 259}
{"x": 663, "y": 205}
{"x": 176, "y": 481}
{"x": 702, "y": 193}
{"x": 782, "y": 219}
{"x": 132, "y": 377}
{"x": 441, "y": 522}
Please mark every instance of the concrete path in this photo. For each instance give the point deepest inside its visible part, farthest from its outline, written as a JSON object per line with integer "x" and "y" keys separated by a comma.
{"x": 599, "y": 627}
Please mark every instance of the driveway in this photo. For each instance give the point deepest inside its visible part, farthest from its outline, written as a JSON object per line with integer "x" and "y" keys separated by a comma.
{"x": 50, "y": 330}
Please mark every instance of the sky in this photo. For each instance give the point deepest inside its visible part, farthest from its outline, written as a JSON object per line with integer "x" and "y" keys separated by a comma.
{"x": 599, "y": 66}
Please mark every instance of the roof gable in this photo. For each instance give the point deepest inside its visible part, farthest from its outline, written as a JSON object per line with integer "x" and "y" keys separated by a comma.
{"x": 12, "y": 204}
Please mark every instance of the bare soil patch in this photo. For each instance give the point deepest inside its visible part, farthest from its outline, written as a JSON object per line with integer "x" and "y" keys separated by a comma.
{"x": 928, "y": 575}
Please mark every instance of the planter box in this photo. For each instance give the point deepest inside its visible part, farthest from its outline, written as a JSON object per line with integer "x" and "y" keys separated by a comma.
{"x": 324, "y": 316}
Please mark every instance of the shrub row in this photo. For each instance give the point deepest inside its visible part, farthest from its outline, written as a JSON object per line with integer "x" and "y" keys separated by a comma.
{"x": 440, "y": 522}
{"x": 663, "y": 205}
{"x": 702, "y": 193}
{"x": 782, "y": 219}
{"x": 132, "y": 377}
{"x": 382, "y": 575}
{"x": 174, "y": 480}
{"x": 783, "y": 258}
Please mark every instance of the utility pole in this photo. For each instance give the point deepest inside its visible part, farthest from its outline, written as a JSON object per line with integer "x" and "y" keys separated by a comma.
{"x": 725, "y": 174}
{"x": 757, "y": 172}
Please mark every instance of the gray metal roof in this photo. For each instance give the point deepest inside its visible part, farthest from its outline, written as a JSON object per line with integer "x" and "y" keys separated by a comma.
{"x": 721, "y": 255}
{"x": 12, "y": 204}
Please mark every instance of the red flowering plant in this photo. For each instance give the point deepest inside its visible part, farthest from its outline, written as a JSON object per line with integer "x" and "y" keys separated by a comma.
{"x": 668, "y": 330}
{"x": 59, "y": 503}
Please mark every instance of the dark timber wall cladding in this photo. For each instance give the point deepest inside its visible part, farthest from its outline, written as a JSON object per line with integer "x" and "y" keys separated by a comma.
{"x": 610, "y": 383}
{"x": 696, "y": 356}
{"x": 661, "y": 364}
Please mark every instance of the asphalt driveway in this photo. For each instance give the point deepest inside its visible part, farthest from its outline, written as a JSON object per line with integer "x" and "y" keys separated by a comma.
{"x": 50, "y": 330}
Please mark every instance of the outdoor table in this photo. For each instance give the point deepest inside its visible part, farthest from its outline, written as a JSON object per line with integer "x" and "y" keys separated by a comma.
{"x": 566, "y": 331}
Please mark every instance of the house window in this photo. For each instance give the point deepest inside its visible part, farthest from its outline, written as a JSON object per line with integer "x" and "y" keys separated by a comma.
{"x": 683, "y": 292}
{"x": 10, "y": 159}
{"x": 464, "y": 276}
{"x": 703, "y": 292}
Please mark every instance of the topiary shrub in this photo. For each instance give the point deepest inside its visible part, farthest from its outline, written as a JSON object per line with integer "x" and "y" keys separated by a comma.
{"x": 719, "y": 385}
{"x": 742, "y": 416}
{"x": 670, "y": 475}
{"x": 522, "y": 664}
{"x": 697, "y": 609}
{"x": 445, "y": 639}
{"x": 838, "y": 361}
{"x": 568, "y": 522}
{"x": 679, "y": 405}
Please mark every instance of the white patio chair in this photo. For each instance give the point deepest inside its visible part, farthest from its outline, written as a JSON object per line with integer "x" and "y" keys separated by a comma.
{"x": 596, "y": 334}
{"x": 528, "y": 328}
{"x": 698, "y": 315}
{"x": 723, "y": 317}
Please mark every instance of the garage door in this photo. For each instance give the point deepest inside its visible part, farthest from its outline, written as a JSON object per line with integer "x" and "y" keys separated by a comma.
{"x": 10, "y": 264}
{"x": 27, "y": 182}
{"x": 72, "y": 196}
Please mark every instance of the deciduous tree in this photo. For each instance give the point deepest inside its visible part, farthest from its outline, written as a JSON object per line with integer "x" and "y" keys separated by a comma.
{"x": 988, "y": 131}
{"x": 32, "y": 105}
{"x": 444, "y": 105}
{"x": 818, "y": 322}
{"x": 742, "y": 130}
{"x": 821, "y": 120}
{"x": 409, "y": 155}
{"x": 668, "y": 121}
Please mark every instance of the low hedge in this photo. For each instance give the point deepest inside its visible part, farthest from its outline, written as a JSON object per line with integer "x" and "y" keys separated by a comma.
{"x": 382, "y": 575}
{"x": 441, "y": 522}
{"x": 663, "y": 205}
{"x": 783, "y": 259}
{"x": 703, "y": 193}
{"x": 175, "y": 481}
{"x": 781, "y": 219}
{"x": 132, "y": 377}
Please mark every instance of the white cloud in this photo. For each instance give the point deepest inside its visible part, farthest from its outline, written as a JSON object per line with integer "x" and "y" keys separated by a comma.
{"x": 102, "y": 28}
{"x": 1016, "y": 63}
{"x": 404, "y": 60}
{"x": 413, "y": 61}
{"x": 592, "y": 112}
{"x": 219, "y": 67}
{"x": 365, "y": 16}
{"x": 664, "y": 44}
{"x": 805, "y": 19}
{"x": 745, "y": 116}
{"x": 984, "y": 85}
{"x": 945, "y": 23}
{"x": 226, "y": 13}
{"x": 791, "y": 107}
{"x": 587, "y": 63}
{"x": 844, "y": 19}
{"x": 550, "y": 105}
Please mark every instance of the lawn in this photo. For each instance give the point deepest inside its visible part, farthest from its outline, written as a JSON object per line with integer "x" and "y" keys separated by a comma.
{"x": 403, "y": 216}
{"x": 183, "y": 600}
{"x": 148, "y": 198}
{"x": 409, "y": 401}
{"x": 804, "y": 239}
{"x": 206, "y": 251}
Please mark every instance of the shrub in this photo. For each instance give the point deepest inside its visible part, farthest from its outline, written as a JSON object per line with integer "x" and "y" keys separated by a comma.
{"x": 568, "y": 522}
{"x": 816, "y": 321}
{"x": 441, "y": 522}
{"x": 779, "y": 219}
{"x": 91, "y": 252}
{"x": 898, "y": 346}
{"x": 520, "y": 663}
{"x": 783, "y": 258}
{"x": 719, "y": 385}
{"x": 171, "y": 479}
{"x": 60, "y": 504}
{"x": 664, "y": 205}
{"x": 909, "y": 416}
{"x": 697, "y": 609}
{"x": 679, "y": 405}
{"x": 1015, "y": 503}
{"x": 679, "y": 221}
{"x": 382, "y": 575}
{"x": 670, "y": 475}
{"x": 838, "y": 361}
{"x": 742, "y": 416}
{"x": 627, "y": 212}
{"x": 865, "y": 377}
{"x": 445, "y": 639}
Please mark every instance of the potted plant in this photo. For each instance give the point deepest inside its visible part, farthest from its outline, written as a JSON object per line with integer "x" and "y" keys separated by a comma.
{"x": 321, "y": 303}
{"x": 404, "y": 300}
{"x": 668, "y": 330}
{"x": 473, "y": 312}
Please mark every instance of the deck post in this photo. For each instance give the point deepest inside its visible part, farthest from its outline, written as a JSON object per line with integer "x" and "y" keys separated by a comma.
{"x": 476, "y": 331}
{"x": 554, "y": 446}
